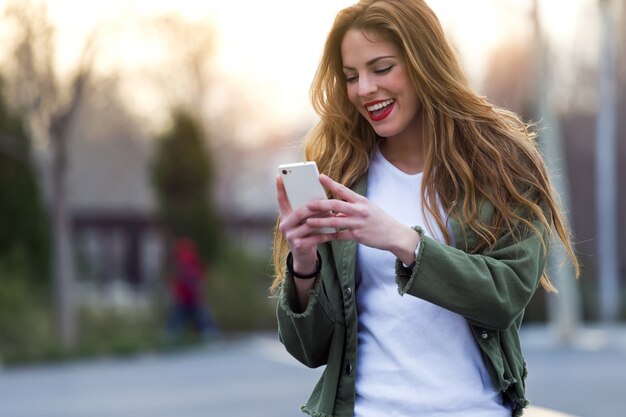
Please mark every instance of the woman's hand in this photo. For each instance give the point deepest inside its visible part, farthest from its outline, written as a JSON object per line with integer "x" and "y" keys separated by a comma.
{"x": 302, "y": 239}
{"x": 357, "y": 219}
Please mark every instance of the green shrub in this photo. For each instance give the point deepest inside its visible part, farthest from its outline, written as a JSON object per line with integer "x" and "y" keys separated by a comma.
{"x": 26, "y": 327}
{"x": 111, "y": 331}
{"x": 23, "y": 220}
{"x": 238, "y": 292}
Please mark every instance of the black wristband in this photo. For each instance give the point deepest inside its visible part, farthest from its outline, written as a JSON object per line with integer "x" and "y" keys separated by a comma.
{"x": 318, "y": 267}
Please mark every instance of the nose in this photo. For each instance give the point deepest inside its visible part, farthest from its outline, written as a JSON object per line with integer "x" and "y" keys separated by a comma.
{"x": 367, "y": 86}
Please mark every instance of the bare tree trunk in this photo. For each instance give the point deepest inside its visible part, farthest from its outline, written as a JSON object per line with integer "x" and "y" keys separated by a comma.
{"x": 62, "y": 252}
{"x": 60, "y": 126}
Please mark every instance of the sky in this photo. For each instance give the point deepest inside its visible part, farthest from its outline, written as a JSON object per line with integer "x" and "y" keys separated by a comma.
{"x": 270, "y": 48}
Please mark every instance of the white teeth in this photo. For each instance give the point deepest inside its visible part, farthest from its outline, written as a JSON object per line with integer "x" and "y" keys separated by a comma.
{"x": 380, "y": 105}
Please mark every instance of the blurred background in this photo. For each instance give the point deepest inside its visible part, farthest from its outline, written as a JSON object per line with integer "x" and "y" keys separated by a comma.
{"x": 134, "y": 133}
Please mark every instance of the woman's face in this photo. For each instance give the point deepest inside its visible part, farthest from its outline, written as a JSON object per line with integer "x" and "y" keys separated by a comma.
{"x": 378, "y": 84}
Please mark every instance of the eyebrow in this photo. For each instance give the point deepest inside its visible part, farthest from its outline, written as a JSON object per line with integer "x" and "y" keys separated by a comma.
{"x": 371, "y": 61}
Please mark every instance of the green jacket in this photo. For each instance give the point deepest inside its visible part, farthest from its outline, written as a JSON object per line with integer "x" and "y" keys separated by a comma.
{"x": 491, "y": 290}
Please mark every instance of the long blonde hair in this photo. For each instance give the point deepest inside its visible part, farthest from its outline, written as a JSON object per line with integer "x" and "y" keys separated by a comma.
{"x": 474, "y": 151}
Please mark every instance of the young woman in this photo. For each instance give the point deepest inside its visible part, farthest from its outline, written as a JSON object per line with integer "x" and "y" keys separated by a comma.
{"x": 444, "y": 213}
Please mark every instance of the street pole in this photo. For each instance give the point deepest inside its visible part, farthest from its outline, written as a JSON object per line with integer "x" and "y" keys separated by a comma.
{"x": 564, "y": 308}
{"x": 606, "y": 187}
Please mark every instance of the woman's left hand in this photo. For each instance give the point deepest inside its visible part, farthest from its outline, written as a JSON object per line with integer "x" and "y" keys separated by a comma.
{"x": 357, "y": 219}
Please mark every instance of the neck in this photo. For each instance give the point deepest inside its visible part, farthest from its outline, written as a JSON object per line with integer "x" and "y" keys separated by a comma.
{"x": 405, "y": 153}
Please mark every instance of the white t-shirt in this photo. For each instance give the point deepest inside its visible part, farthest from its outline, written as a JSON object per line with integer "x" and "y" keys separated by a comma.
{"x": 415, "y": 359}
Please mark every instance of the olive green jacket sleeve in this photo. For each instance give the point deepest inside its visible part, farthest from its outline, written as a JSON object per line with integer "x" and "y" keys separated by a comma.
{"x": 490, "y": 289}
{"x": 307, "y": 334}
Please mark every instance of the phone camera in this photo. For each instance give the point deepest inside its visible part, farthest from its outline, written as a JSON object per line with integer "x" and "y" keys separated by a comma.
{"x": 284, "y": 172}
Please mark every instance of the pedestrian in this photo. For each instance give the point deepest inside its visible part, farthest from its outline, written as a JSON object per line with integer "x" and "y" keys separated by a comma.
{"x": 186, "y": 289}
{"x": 443, "y": 212}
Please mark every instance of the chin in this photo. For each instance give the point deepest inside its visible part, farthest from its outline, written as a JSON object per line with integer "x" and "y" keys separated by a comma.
{"x": 385, "y": 133}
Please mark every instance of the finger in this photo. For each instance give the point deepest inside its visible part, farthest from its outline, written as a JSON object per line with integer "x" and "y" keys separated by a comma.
{"x": 325, "y": 237}
{"x": 341, "y": 235}
{"x": 294, "y": 224}
{"x": 283, "y": 202}
{"x": 338, "y": 207}
{"x": 310, "y": 240}
{"x": 336, "y": 222}
{"x": 339, "y": 190}
{"x": 293, "y": 231}
{"x": 344, "y": 235}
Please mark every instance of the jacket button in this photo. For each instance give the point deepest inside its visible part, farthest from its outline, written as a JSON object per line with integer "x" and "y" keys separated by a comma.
{"x": 349, "y": 368}
{"x": 348, "y": 293}
{"x": 484, "y": 334}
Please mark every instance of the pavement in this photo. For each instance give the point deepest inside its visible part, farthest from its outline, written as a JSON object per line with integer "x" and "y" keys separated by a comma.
{"x": 587, "y": 338}
{"x": 252, "y": 375}
{"x": 544, "y": 412}
{"x": 585, "y": 376}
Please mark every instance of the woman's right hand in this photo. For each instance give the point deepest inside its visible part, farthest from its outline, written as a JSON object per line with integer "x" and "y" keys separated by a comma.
{"x": 301, "y": 238}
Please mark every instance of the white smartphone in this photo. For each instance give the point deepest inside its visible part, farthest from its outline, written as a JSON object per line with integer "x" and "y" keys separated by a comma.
{"x": 302, "y": 184}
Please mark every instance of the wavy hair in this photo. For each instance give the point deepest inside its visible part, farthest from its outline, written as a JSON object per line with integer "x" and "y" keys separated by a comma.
{"x": 474, "y": 151}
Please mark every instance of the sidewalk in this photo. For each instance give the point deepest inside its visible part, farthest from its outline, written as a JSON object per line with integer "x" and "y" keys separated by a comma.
{"x": 544, "y": 412}
{"x": 587, "y": 338}
{"x": 584, "y": 377}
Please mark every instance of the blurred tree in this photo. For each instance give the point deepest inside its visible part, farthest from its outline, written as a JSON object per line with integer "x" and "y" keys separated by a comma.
{"x": 182, "y": 176}
{"x": 49, "y": 105}
{"x": 24, "y": 243}
{"x": 24, "y": 237}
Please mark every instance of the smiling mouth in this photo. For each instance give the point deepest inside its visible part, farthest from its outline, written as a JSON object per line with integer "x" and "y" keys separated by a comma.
{"x": 380, "y": 110}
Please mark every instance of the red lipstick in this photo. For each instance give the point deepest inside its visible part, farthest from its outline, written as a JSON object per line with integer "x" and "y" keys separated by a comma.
{"x": 380, "y": 113}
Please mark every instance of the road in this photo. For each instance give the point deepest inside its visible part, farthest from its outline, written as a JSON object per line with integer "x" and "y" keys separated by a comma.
{"x": 587, "y": 379}
{"x": 253, "y": 376}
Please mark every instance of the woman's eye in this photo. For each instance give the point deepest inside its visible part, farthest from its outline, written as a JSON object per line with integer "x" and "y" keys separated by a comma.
{"x": 351, "y": 78}
{"x": 383, "y": 70}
